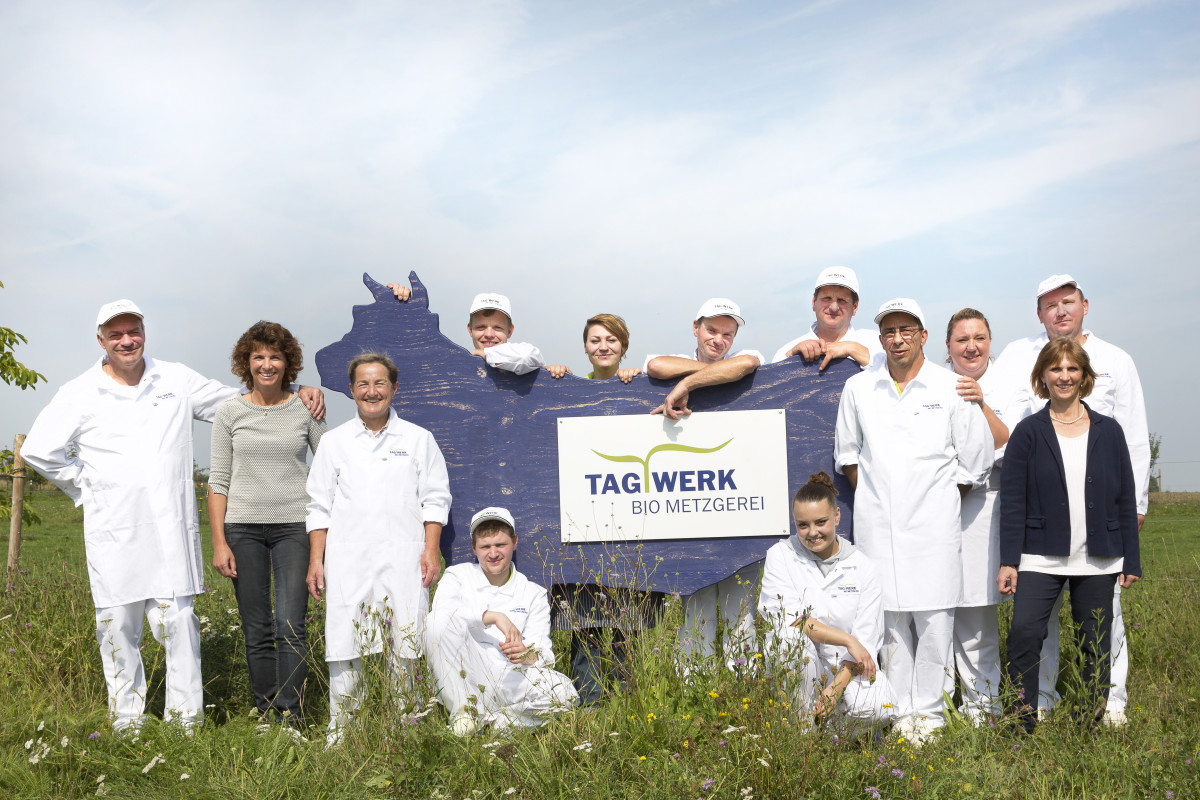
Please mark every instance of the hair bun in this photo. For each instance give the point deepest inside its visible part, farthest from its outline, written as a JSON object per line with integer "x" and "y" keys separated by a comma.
{"x": 821, "y": 479}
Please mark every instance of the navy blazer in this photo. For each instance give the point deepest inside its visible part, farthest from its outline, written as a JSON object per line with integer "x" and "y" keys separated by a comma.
{"x": 1034, "y": 515}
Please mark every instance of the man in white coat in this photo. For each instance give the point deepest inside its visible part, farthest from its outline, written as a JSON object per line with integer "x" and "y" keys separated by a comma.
{"x": 1061, "y": 308}
{"x": 911, "y": 447}
{"x": 118, "y": 441}
{"x": 712, "y": 363}
{"x": 379, "y": 495}
{"x": 832, "y": 335}
{"x": 489, "y": 637}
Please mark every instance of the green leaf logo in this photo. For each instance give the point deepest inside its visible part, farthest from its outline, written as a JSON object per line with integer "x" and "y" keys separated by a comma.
{"x": 645, "y": 462}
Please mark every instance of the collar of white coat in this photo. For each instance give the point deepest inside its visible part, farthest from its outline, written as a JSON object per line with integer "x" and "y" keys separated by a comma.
{"x": 365, "y": 431}
{"x": 106, "y": 383}
{"x": 883, "y": 374}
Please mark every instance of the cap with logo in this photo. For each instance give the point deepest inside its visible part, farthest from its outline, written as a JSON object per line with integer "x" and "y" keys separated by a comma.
{"x": 838, "y": 276}
{"x": 490, "y": 513}
{"x": 720, "y": 307}
{"x": 904, "y": 305}
{"x": 1055, "y": 282}
{"x": 490, "y": 301}
{"x": 115, "y": 309}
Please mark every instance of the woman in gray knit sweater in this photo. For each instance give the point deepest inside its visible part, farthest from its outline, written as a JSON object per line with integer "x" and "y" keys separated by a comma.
{"x": 256, "y": 506}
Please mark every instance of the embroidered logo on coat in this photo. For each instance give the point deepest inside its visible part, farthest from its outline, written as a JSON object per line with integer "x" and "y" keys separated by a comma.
{"x": 398, "y": 451}
{"x": 847, "y": 588}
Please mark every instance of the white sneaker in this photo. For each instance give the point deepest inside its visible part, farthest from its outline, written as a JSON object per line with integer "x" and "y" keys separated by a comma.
{"x": 463, "y": 725}
{"x": 1115, "y": 718}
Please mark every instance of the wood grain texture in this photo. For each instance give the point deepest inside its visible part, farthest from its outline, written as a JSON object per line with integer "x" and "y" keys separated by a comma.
{"x": 498, "y": 434}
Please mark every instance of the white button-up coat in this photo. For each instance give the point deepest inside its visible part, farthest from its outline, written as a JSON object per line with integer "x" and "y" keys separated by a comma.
{"x": 125, "y": 454}
{"x": 374, "y": 494}
{"x": 912, "y": 451}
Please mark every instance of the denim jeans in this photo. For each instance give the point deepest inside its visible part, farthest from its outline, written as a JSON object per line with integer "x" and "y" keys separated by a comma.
{"x": 275, "y": 643}
{"x": 1092, "y": 610}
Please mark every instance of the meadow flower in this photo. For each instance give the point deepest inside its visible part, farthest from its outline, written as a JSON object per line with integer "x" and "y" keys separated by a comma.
{"x": 158, "y": 759}
{"x": 722, "y": 743}
{"x": 1170, "y": 794}
{"x": 898, "y": 773}
{"x": 873, "y": 791}
{"x": 510, "y": 790}
{"x": 763, "y": 762}
{"x": 64, "y": 741}
{"x": 42, "y": 725}
{"x": 708, "y": 784}
{"x": 713, "y": 694}
{"x": 675, "y": 756}
{"x": 184, "y": 776}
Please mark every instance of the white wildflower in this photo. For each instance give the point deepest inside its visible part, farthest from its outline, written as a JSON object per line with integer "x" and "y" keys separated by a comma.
{"x": 511, "y": 790}
{"x": 101, "y": 779}
{"x": 584, "y": 746}
{"x": 29, "y": 744}
{"x": 235, "y": 627}
{"x": 734, "y": 729}
{"x": 158, "y": 759}
{"x": 492, "y": 745}
{"x": 231, "y": 611}
{"x": 184, "y": 776}
{"x": 763, "y": 762}
{"x": 614, "y": 733}
{"x": 42, "y": 725}
{"x": 102, "y": 790}
{"x": 64, "y": 742}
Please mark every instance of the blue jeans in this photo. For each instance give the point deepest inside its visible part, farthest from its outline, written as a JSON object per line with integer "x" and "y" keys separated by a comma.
{"x": 275, "y": 643}
{"x": 1092, "y": 610}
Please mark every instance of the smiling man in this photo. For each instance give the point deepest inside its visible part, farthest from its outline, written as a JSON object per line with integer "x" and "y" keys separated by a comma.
{"x": 911, "y": 447}
{"x": 118, "y": 441}
{"x": 1061, "y": 308}
{"x": 716, "y": 324}
{"x": 489, "y": 637}
{"x": 379, "y": 495}
{"x": 831, "y": 335}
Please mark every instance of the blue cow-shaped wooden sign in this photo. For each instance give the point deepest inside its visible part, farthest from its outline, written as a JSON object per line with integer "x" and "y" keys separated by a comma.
{"x": 498, "y": 433}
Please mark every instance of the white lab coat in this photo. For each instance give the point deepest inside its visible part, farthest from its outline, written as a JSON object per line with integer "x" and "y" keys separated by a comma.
{"x": 465, "y": 654}
{"x": 516, "y": 357}
{"x": 849, "y": 599}
{"x": 980, "y": 508}
{"x": 374, "y": 494}
{"x": 912, "y": 452}
{"x": 867, "y": 338}
{"x": 131, "y": 470}
{"x": 1117, "y": 394}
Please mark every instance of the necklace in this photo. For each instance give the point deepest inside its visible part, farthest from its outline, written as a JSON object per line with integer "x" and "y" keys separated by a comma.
{"x": 1068, "y": 421}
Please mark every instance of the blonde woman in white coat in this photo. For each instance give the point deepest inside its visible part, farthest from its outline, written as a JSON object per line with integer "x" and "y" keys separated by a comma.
{"x": 976, "y": 620}
{"x": 822, "y": 601}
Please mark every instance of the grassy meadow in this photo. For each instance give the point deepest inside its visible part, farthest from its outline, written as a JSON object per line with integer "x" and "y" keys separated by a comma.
{"x": 721, "y": 735}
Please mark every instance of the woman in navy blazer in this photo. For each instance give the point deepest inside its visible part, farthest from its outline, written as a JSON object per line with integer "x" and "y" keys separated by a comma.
{"x": 1068, "y": 516}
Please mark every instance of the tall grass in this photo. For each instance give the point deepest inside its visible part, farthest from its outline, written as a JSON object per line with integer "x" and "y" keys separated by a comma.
{"x": 718, "y": 735}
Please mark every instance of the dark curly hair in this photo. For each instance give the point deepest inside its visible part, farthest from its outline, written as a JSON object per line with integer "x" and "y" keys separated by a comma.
{"x": 274, "y": 336}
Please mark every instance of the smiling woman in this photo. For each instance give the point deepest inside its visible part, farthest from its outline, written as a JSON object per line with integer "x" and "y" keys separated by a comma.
{"x": 256, "y": 505}
{"x": 1068, "y": 518}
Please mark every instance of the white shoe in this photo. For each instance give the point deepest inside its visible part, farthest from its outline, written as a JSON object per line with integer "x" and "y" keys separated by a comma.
{"x": 1115, "y": 718}
{"x": 334, "y": 738}
{"x": 911, "y": 731}
{"x": 463, "y": 725}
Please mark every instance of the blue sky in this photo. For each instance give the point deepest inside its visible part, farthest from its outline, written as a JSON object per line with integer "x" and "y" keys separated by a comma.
{"x": 225, "y": 162}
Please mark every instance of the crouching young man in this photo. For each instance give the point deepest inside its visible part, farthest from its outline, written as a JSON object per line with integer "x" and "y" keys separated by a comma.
{"x": 488, "y": 637}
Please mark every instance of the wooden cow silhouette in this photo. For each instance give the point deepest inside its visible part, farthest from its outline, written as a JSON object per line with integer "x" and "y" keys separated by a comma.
{"x": 499, "y": 435}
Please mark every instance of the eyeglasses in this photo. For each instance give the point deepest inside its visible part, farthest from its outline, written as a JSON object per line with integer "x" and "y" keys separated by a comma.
{"x": 907, "y": 333}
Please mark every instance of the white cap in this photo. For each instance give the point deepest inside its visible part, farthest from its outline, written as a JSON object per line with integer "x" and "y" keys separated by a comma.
{"x": 838, "y": 276}
{"x": 901, "y": 305}
{"x": 1055, "y": 282}
{"x": 490, "y": 301}
{"x": 115, "y": 309}
{"x": 493, "y": 512}
{"x": 720, "y": 307}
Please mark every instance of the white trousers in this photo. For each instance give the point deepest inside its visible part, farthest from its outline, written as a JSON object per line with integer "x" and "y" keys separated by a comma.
{"x": 918, "y": 657}
{"x": 733, "y": 600}
{"x": 863, "y": 704}
{"x": 977, "y": 658}
{"x": 1118, "y": 696}
{"x": 474, "y": 677}
{"x": 173, "y": 623}
{"x": 346, "y": 687}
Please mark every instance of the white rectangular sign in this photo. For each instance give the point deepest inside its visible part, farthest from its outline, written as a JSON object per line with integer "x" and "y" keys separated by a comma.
{"x": 714, "y": 474}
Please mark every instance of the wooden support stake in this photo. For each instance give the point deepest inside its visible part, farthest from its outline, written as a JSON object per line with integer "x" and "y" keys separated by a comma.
{"x": 18, "y": 504}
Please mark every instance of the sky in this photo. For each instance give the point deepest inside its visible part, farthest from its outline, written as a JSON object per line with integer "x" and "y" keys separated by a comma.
{"x": 225, "y": 162}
